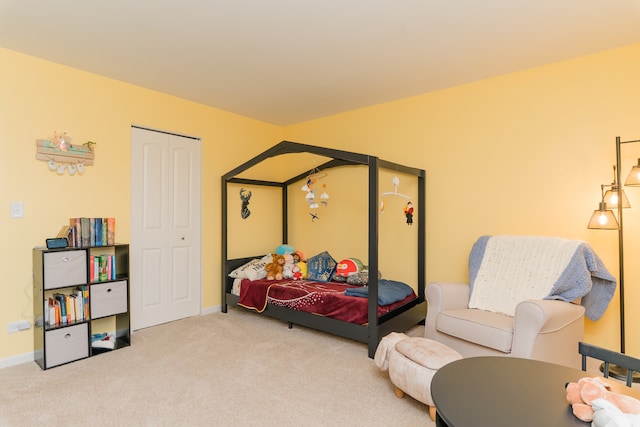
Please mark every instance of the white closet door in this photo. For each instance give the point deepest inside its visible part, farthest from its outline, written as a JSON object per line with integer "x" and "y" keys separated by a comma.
{"x": 165, "y": 227}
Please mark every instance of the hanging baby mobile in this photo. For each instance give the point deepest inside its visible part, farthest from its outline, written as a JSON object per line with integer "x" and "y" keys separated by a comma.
{"x": 408, "y": 208}
{"x": 245, "y": 195}
{"x": 310, "y": 189}
{"x": 62, "y": 156}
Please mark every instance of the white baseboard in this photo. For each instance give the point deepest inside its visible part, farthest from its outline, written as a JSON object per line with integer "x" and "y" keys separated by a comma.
{"x": 210, "y": 310}
{"x": 16, "y": 360}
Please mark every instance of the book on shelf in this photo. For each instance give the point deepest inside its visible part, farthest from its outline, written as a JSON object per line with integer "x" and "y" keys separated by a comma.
{"x": 85, "y": 229}
{"x": 64, "y": 231}
{"x": 71, "y": 237}
{"x": 92, "y": 271}
{"x": 102, "y": 268}
{"x": 104, "y": 231}
{"x": 111, "y": 231}
{"x": 74, "y": 224}
{"x": 92, "y": 231}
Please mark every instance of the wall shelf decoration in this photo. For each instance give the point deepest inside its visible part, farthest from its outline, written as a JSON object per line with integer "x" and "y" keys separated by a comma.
{"x": 62, "y": 156}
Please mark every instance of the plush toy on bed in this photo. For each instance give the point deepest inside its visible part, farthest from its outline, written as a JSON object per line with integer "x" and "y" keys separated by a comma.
{"x": 285, "y": 249}
{"x": 275, "y": 268}
{"x": 288, "y": 267}
{"x": 592, "y": 400}
{"x": 347, "y": 267}
{"x": 300, "y": 270}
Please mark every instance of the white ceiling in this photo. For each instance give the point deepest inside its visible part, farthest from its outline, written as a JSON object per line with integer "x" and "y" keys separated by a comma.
{"x": 288, "y": 61}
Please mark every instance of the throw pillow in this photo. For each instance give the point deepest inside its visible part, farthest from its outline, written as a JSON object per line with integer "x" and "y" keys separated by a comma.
{"x": 320, "y": 267}
{"x": 252, "y": 270}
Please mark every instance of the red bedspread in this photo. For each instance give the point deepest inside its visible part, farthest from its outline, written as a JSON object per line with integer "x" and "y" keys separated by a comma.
{"x": 322, "y": 298}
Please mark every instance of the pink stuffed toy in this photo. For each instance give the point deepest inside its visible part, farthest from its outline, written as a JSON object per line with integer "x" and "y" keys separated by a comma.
{"x": 586, "y": 398}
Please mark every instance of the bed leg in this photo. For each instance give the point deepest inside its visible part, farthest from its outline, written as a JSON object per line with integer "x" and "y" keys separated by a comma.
{"x": 290, "y": 325}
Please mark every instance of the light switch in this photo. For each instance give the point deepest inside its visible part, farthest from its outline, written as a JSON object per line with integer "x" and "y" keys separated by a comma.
{"x": 17, "y": 210}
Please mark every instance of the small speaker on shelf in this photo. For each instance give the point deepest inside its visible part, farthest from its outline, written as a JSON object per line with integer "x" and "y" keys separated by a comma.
{"x": 57, "y": 243}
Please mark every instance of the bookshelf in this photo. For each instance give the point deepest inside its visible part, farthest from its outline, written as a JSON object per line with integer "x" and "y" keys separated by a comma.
{"x": 80, "y": 302}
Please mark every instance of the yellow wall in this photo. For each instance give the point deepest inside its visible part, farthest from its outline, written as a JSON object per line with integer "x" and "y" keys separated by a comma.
{"x": 523, "y": 153}
{"x": 40, "y": 97}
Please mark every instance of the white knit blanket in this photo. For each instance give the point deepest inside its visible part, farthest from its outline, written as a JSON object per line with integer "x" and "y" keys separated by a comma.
{"x": 506, "y": 270}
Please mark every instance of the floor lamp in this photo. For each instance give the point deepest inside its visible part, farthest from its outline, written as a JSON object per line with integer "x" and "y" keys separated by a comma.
{"x": 604, "y": 219}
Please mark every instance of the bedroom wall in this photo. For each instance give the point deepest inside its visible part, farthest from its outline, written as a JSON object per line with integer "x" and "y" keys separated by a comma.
{"x": 523, "y": 153}
{"x": 40, "y": 97}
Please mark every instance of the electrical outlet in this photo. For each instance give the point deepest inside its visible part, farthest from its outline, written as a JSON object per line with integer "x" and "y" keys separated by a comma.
{"x": 13, "y": 327}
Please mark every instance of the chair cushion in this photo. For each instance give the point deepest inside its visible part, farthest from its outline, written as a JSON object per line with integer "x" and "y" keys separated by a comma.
{"x": 480, "y": 327}
{"x": 428, "y": 353}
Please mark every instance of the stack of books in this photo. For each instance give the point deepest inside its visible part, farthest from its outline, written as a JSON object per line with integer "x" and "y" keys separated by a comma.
{"x": 102, "y": 268}
{"x": 89, "y": 232}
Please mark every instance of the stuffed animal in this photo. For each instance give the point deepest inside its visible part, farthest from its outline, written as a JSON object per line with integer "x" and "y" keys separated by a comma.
{"x": 274, "y": 268}
{"x": 592, "y": 400}
{"x": 285, "y": 249}
{"x": 348, "y": 266}
{"x": 298, "y": 256}
{"x": 300, "y": 270}
{"x": 287, "y": 269}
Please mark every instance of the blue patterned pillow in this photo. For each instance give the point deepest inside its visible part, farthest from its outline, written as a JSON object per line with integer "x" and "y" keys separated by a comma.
{"x": 320, "y": 267}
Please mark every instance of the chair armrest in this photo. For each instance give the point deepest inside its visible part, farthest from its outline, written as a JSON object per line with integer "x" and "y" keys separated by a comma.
{"x": 447, "y": 295}
{"x": 548, "y": 318}
{"x": 443, "y": 296}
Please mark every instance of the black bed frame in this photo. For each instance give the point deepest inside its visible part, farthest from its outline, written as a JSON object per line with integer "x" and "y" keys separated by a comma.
{"x": 399, "y": 320}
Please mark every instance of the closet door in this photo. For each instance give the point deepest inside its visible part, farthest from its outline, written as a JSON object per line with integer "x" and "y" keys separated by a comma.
{"x": 165, "y": 227}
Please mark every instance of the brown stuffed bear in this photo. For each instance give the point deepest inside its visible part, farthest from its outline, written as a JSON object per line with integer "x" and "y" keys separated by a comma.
{"x": 581, "y": 394}
{"x": 275, "y": 267}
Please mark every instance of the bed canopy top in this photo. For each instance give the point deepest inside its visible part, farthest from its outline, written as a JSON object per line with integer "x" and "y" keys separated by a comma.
{"x": 308, "y": 157}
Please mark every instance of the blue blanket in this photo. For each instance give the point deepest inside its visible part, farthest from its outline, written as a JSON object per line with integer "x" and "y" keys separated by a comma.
{"x": 584, "y": 276}
{"x": 389, "y": 291}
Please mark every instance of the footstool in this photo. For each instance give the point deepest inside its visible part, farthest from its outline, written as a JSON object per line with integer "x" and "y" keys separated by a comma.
{"x": 412, "y": 362}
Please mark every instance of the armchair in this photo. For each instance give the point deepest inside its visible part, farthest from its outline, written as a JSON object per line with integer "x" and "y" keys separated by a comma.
{"x": 546, "y": 330}
{"x": 521, "y": 299}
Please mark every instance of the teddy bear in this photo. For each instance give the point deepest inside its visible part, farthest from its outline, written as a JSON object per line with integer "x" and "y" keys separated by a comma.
{"x": 592, "y": 400}
{"x": 275, "y": 267}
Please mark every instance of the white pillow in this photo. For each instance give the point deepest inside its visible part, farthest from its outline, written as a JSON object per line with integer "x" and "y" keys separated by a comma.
{"x": 253, "y": 270}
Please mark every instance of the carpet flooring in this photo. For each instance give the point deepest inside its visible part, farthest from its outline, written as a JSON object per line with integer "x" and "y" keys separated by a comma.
{"x": 222, "y": 369}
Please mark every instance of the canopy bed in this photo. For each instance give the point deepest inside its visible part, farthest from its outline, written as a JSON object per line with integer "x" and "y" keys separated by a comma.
{"x": 377, "y": 319}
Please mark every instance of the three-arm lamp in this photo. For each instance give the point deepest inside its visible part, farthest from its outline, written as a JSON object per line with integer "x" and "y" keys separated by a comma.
{"x": 604, "y": 218}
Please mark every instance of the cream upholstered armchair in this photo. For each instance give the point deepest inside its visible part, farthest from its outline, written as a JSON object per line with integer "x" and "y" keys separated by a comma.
{"x": 527, "y": 298}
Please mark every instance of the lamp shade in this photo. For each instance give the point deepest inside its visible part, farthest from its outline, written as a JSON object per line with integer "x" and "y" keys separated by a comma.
{"x": 603, "y": 219}
{"x": 633, "y": 179}
{"x": 611, "y": 199}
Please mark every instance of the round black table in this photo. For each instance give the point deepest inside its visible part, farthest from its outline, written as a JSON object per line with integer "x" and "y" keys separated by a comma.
{"x": 503, "y": 391}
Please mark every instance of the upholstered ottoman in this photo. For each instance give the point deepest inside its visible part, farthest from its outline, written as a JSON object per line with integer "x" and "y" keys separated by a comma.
{"x": 412, "y": 362}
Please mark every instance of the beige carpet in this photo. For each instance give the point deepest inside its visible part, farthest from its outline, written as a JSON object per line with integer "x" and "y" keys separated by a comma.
{"x": 233, "y": 369}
